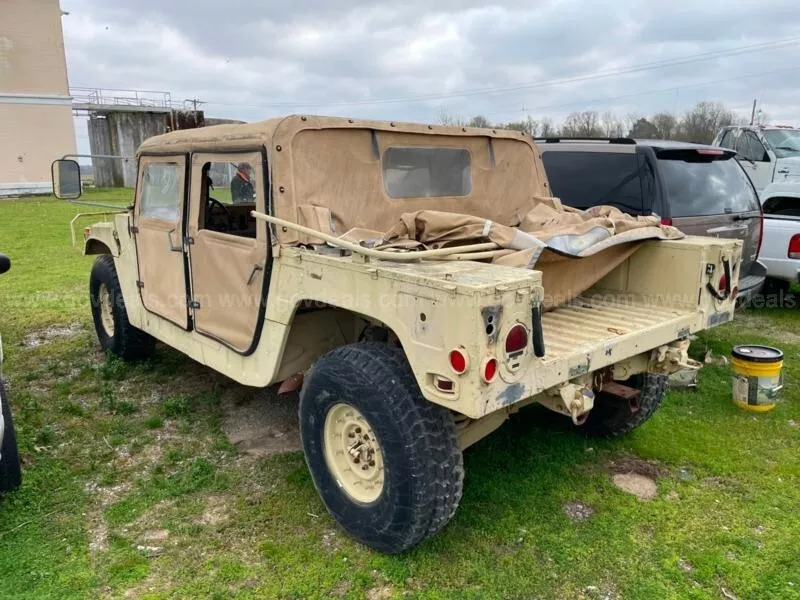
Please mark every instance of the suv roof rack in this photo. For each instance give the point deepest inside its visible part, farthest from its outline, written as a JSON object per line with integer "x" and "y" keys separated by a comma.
{"x": 610, "y": 140}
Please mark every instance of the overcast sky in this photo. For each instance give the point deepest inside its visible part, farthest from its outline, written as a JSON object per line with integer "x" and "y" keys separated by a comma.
{"x": 416, "y": 59}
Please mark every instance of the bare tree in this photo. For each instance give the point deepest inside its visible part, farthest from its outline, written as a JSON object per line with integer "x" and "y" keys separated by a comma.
{"x": 546, "y": 128}
{"x": 582, "y": 124}
{"x": 446, "y": 118}
{"x": 527, "y": 125}
{"x": 701, "y": 124}
{"x": 479, "y": 121}
{"x": 611, "y": 125}
{"x": 666, "y": 125}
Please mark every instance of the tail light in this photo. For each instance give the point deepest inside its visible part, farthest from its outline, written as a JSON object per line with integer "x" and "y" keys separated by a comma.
{"x": 794, "y": 246}
{"x": 458, "y": 361}
{"x": 489, "y": 370}
{"x": 760, "y": 233}
{"x": 666, "y": 220}
{"x": 517, "y": 339}
{"x": 723, "y": 284}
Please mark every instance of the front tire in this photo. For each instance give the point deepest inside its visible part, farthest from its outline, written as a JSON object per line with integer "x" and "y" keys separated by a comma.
{"x": 10, "y": 469}
{"x": 613, "y": 416}
{"x": 385, "y": 461}
{"x": 114, "y": 331}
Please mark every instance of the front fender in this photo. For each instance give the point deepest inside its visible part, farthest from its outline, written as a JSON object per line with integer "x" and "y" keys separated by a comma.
{"x": 101, "y": 239}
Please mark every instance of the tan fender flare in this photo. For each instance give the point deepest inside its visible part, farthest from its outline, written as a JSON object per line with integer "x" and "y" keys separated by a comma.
{"x": 101, "y": 240}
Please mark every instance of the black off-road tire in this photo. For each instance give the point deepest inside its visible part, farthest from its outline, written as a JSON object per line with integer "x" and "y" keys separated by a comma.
{"x": 424, "y": 469}
{"x": 126, "y": 341}
{"x": 10, "y": 468}
{"x": 613, "y": 416}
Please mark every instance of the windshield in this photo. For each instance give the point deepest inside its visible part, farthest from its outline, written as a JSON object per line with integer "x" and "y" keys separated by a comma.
{"x": 785, "y": 142}
{"x": 697, "y": 185}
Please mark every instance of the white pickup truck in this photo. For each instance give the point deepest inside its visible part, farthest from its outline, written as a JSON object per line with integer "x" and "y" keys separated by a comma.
{"x": 780, "y": 250}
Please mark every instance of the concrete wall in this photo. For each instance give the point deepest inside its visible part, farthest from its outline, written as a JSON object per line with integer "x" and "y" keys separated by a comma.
{"x": 120, "y": 134}
{"x": 36, "y": 124}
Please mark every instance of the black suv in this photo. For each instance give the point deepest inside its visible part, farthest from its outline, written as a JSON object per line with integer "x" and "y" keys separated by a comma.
{"x": 699, "y": 189}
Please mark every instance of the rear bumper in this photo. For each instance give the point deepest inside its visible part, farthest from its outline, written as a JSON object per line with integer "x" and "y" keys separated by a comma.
{"x": 785, "y": 269}
{"x": 751, "y": 284}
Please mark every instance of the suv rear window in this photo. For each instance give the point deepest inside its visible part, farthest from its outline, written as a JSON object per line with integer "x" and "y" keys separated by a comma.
{"x": 698, "y": 185}
{"x": 586, "y": 179}
{"x": 426, "y": 172}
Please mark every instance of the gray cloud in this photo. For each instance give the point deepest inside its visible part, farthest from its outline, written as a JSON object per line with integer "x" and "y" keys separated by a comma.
{"x": 242, "y": 56}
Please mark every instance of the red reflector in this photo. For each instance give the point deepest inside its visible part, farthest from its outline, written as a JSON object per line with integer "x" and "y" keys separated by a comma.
{"x": 666, "y": 221}
{"x": 443, "y": 384}
{"x": 794, "y": 246}
{"x": 709, "y": 152}
{"x": 458, "y": 361}
{"x": 489, "y": 369}
{"x": 517, "y": 338}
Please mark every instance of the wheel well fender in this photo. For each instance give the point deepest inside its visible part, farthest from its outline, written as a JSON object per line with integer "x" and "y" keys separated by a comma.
{"x": 95, "y": 246}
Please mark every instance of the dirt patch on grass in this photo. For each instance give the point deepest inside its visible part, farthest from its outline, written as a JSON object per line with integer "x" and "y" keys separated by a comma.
{"x": 636, "y": 476}
{"x": 54, "y": 332}
{"x": 261, "y": 423}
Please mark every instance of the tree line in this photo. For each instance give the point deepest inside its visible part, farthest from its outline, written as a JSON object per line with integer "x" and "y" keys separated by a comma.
{"x": 699, "y": 124}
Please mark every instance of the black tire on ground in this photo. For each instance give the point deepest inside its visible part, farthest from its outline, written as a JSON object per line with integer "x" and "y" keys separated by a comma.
{"x": 10, "y": 469}
{"x": 613, "y": 416}
{"x": 125, "y": 341}
{"x": 424, "y": 469}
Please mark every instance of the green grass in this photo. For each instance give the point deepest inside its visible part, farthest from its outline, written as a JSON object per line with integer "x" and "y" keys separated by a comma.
{"x": 132, "y": 489}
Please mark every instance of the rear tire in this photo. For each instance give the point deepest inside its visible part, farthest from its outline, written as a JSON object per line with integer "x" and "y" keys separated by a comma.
{"x": 114, "y": 331}
{"x": 10, "y": 469}
{"x": 367, "y": 391}
{"x": 613, "y": 416}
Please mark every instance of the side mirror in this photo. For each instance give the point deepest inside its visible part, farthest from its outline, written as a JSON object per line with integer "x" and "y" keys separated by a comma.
{"x": 66, "y": 179}
{"x": 5, "y": 263}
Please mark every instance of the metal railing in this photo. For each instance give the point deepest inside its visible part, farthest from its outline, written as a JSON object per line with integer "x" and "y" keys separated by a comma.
{"x": 120, "y": 97}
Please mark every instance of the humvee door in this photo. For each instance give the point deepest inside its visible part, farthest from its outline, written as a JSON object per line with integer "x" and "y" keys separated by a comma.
{"x": 158, "y": 225}
{"x": 228, "y": 247}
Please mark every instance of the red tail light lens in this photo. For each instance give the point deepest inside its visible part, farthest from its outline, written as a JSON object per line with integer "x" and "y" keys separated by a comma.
{"x": 516, "y": 339}
{"x": 794, "y": 246}
{"x": 666, "y": 221}
{"x": 458, "y": 361}
{"x": 723, "y": 284}
{"x": 489, "y": 369}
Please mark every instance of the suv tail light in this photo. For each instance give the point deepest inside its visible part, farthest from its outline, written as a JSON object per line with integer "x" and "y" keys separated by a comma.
{"x": 760, "y": 234}
{"x": 666, "y": 221}
{"x": 516, "y": 339}
{"x": 794, "y": 246}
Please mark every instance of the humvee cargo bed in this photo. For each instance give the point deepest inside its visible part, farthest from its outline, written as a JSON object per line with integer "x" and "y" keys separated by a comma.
{"x": 318, "y": 250}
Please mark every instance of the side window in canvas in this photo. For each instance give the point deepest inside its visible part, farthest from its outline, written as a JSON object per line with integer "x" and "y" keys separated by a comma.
{"x": 161, "y": 191}
{"x": 228, "y": 195}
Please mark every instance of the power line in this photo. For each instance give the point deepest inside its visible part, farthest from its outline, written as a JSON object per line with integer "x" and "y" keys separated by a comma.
{"x": 646, "y": 93}
{"x": 535, "y": 84}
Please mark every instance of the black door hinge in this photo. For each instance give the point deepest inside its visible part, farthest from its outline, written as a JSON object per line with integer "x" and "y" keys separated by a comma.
{"x": 133, "y": 229}
{"x": 194, "y": 304}
{"x": 139, "y": 284}
{"x": 188, "y": 240}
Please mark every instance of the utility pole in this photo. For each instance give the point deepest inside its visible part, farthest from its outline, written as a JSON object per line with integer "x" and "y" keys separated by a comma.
{"x": 753, "y": 112}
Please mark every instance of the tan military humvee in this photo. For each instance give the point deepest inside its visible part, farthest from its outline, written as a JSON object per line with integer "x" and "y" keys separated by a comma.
{"x": 251, "y": 248}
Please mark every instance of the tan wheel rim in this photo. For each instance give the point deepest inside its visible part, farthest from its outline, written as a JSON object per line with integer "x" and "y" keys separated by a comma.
{"x": 106, "y": 310}
{"x": 353, "y": 454}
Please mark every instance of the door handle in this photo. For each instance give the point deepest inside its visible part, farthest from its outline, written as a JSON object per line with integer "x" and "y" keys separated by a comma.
{"x": 783, "y": 171}
{"x": 256, "y": 268}
{"x": 173, "y": 247}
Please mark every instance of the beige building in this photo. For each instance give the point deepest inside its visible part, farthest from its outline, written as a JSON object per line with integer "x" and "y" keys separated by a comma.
{"x": 36, "y": 123}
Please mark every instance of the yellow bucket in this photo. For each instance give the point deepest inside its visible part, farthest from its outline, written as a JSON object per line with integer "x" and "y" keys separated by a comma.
{"x": 757, "y": 377}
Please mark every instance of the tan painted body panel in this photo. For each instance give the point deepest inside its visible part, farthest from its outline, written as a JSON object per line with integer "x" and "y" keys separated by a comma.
{"x": 650, "y": 300}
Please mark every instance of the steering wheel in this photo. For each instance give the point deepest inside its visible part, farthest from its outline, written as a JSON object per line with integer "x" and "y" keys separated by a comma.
{"x": 211, "y": 204}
